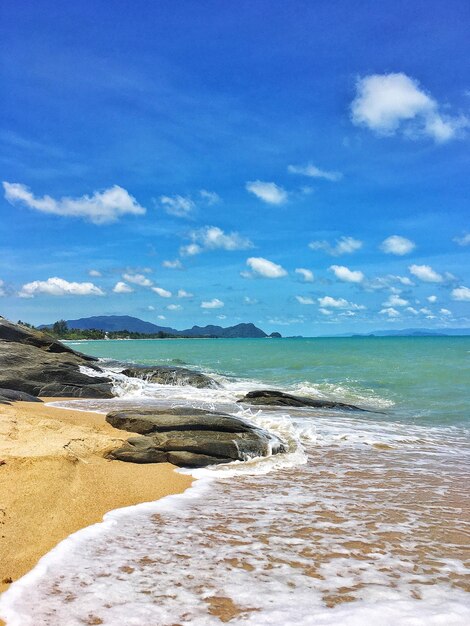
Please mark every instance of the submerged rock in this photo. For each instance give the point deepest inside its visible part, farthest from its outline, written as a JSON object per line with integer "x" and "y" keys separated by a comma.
{"x": 268, "y": 397}
{"x": 166, "y": 375}
{"x": 190, "y": 437}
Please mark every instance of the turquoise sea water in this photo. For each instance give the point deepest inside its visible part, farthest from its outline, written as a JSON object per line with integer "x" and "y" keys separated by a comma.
{"x": 366, "y": 518}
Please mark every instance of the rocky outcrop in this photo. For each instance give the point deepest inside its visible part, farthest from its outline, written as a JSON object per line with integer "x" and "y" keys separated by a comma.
{"x": 268, "y": 397}
{"x": 12, "y": 395}
{"x": 165, "y": 375}
{"x": 190, "y": 437}
{"x": 35, "y": 363}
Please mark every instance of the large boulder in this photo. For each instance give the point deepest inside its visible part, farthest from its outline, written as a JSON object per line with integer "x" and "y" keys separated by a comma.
{"x": 190, "y": 437}
{"x": 165, "y": 375}
{"x": 13, "y": 395}
{"x": 268, "y": 397}
{"x": 34, "y": 363}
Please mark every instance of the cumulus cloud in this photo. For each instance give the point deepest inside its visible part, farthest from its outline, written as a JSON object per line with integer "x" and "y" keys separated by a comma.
{"x": 174, "y": 307}
{"x": 431, "y": 299}
{"x": 304, "y": 300}
{"x": 445, "y": 312}
{"x": 190, "y": 250}
{"x": 461, "y": 293}
{"x": 386, "y": 282}
{"x": 306, "y": 274}
{"x": 343, "y": 245}
{"x": 267, "y": 192}
{"x": 314, "y": 172}
{"x": 328, "y": 302}
{"x": 213, "y": 238}
{"x": 395, "y": 300}
{"x": 215, "y": 303}
{"x": 121, "y": 287}
{"x": 412, "y": 310}
{"x": 173, "y": 265}
{"x": 390, "y": 312}
{"x": 397, "y": 245}
{"x": 102, "y": 207}
{"x": 59, "y": 287}
{"x": 388, "y": 103}
{"x": 179, "y": 206}
{"x": 346, "y": 275}
{"x": 184, "y": 294}
{"x": 137, "y": 279}
{"x": 94, "y": 273}
{"x": 163, "y": 293}
{"x": 425, "y": 273}
{"x": 266, "y": 268}
{"x": 464, "y": 240}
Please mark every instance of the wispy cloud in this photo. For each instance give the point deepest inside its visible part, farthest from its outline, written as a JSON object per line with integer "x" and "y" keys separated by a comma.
{"x": 304, "y": 300}
{"x": 59, "y": 287}
{"x": 215, "y": 303}
{"x": 464, "y": 240}
{"x": 267, "y": 192}
{"x": 343, "y": 245}
{"x": 264, "y": 267}
{"x": 173, "y": 265}
{"x": 388, "y": 103}
{"x": 137, "y": 279}
{"x": 328, "y": 302}
{"x": 306, "y": 274}
{"x": 395, "y": 244}
{"x": 314, "y": 172}
{"x": 179, "y": 206}
{"x": 102, "y": 207}
{"x": 213, "y": 238}
{"x": 163, "y": 293}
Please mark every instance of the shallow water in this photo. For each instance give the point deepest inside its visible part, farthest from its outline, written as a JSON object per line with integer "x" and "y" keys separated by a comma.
{"x": 366, "y": 518}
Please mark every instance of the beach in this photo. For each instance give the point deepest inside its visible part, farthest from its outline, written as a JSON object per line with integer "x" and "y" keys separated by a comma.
{"x": 54, "y": 480}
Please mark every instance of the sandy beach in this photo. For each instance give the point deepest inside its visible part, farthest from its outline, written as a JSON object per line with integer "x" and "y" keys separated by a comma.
{"x": 54, "y": 480}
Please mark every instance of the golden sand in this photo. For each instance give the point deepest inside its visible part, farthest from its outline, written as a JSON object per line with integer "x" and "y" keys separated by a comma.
{"x": 54, "y": 480}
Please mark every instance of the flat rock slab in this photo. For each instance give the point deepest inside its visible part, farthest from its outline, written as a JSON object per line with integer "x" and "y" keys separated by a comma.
{"x": 146, "y": 421}
{"x": 12, "y": 394}
{"x": 190, "y": 437}
{"x": 268, "y": 397}
{"x": 165, "y": 375}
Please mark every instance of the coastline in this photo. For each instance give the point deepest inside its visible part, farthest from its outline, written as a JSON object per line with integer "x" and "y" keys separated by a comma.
{"x": 54, "y": 480}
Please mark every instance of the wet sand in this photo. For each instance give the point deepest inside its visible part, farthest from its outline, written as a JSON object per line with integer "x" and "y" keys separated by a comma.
{"x": 54, "y": 480}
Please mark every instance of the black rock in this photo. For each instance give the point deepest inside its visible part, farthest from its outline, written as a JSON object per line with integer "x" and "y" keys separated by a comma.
{"x": 11, "y": 394}
{"x": 165, "y": 375}
{"x": 268, "y": 397}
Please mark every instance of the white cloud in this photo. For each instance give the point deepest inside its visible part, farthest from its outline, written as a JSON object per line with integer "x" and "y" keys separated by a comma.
{"x": 151, "y": 307}
{"x": 210, "y": 197}
{"x": 425, "y": 273}
{"x": 395, "y": 300}
{"x": 327, "y": 302}
{"x": 425, "y": 311}
{"x": 94, "y": 273}
{"x": 221, "y": 317}
{"x": 248, "y": 300}
{"x": 397, "y": 245}
{"x": 121, "y": 287}
{"x": 174, "y": 307}
{"x": 314, "y": 172}
{"x": 464, "y": 240}
{"x": 2, "y": 288}
{"x": 213, "y": 238}
{"x": 304, "y": 300}
{"x": 179, "y": 206}
{"x": 163, "y": 293}
{"x": 161, "y": 317}
{"x": 215, "y": 303}
{"x": 326, "y": 311}
{"x": 306, "y": 274}
{"x": 343, "y": 245}
{"x": 461, "y": 293}
{"x": 412, "y": 310}
{"x": 59, "y": 287}
{"x": 184, "y": 294}
{"x": 137, "y": 279}
{"x": 266, "y": 268}
{"x": 346, "y": 275}
{"x": 387, "y": 103}
{"x": 267, "y": 192}
{"x": 445, "y": 312}
{"x": 173, "y": 265}
{"x": 386, "y": 282}
{"x": 102, "y": 207}
{"x": 190, "y": 250}
{"x": 390, "y": 312}
{"x": 431, "y": 298}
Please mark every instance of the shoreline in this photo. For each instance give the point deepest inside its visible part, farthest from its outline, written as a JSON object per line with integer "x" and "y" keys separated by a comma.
{"x": 54, "y": 480}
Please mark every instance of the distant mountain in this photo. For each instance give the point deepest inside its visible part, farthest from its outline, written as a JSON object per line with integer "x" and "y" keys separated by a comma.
{"x": 109, "y": 323}
{"x": 412, "y": 332}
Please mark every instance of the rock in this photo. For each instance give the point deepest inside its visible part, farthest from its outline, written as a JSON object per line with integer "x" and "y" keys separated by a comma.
{"x": 190, "y": 437}
{"x": 11, "y": 394}
{"x": 34, "y": 363}
{"x": 268, "y": 397}
{"x": 146, "y": 421}
{"x": 165, "y": 375}
{"x": 275, "y": 336}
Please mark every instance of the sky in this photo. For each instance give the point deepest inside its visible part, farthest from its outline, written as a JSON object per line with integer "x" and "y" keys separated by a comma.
{"x": 300, "y": 165}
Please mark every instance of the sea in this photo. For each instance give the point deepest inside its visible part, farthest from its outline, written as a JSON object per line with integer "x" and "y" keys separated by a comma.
{"x": 365, "y": 520}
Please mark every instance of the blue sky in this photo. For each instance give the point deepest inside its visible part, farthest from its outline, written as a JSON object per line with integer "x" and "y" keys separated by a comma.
{"x": 301, "y": 165}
